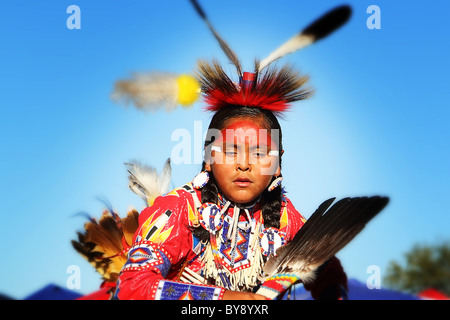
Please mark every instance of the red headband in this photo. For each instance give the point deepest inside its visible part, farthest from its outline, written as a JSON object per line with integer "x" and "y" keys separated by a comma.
{"x": 247, "y": 97}
{"x": 245, "y": 131}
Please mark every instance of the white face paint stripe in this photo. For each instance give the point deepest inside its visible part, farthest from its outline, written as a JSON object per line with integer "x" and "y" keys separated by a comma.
{"x": 219, "y": 149}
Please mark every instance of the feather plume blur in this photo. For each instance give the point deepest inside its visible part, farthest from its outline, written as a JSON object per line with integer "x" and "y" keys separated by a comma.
{"x": 146, "y": 182}
{"x": 103, "y": 243}
{"x": 326, "y": 232}
{"x": 155, "y": 90}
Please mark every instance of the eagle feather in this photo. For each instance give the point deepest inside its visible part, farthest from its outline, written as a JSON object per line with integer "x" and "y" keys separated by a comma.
{"x": 326, "y": 232}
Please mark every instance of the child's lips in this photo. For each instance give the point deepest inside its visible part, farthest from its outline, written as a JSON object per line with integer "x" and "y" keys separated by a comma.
{"x": 242, "y": 182}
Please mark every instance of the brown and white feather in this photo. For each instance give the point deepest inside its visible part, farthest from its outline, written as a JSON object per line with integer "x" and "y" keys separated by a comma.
{"x": 326, "y": 232}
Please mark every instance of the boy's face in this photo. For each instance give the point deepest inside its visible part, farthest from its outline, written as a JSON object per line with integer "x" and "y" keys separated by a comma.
{"x": 244, "y": 158}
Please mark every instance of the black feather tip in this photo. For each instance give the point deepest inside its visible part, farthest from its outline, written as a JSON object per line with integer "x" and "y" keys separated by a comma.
{"x": 329, "y": 22}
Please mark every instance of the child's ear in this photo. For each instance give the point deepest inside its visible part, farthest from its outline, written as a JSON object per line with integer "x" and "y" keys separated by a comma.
{"x": 207, "y": 166}
{"x": 278, "y": 172}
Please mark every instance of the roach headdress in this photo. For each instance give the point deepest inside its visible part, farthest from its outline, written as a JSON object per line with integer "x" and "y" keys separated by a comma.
{"x": 272, "y": 89}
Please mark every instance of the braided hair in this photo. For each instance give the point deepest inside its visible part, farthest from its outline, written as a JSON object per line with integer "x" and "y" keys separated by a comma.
{"x": 270, "y": 201}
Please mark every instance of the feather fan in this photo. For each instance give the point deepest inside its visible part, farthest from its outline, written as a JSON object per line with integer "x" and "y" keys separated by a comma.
{"x": 327, "y": 231}
{"x": 104, "y": 243}
{"x": 146, "y": 182}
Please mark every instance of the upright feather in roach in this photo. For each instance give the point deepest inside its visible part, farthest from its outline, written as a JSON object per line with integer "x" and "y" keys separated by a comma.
{"x": 223, "y": 45}
{"x": 319, "y": 29}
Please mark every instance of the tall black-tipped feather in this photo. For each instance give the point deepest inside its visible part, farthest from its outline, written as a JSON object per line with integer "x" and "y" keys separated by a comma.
{"x": 223, "y": 45}
{"x": 320, "y": 28}
{"x": 329, "y": 22}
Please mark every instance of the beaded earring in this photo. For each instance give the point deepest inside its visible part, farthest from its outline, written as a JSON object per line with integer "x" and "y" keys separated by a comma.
{"x": 200, "y": 180}
{"x": 275, "y": 183}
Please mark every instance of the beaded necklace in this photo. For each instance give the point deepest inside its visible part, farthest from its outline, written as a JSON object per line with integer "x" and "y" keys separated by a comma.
{"x": 233, "y": 257}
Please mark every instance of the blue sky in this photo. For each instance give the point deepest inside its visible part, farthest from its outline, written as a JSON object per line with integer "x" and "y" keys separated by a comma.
{"x": 378, "y": 123}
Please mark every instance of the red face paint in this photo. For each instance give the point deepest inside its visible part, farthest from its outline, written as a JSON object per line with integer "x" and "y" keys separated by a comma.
{"x": 241, "y": 161}
{"x": 242, "y": 131}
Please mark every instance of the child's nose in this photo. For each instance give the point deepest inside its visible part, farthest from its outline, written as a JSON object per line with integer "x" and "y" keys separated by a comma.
{"x": 243, "y": 163}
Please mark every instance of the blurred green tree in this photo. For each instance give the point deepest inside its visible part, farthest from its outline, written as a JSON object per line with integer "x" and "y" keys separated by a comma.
{"x": 425, "y": 267}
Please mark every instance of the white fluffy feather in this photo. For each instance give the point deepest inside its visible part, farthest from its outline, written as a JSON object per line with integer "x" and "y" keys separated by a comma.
{"x": 148, "y": 91}
{"x": 145, "y": 181}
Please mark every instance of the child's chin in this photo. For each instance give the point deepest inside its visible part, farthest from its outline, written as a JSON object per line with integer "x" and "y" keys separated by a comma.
{"x": 242, "y": 197}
